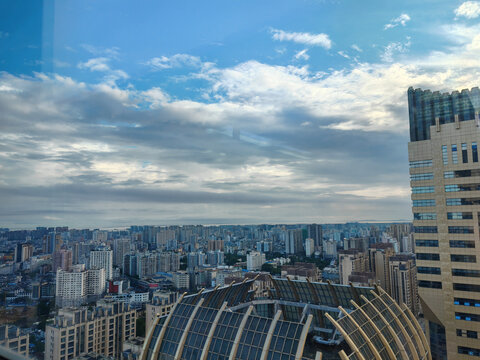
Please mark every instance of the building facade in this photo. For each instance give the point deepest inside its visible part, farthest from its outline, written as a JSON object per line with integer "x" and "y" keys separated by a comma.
{"x": 403, "y": 281}
{"x": 78, "y": 331}
{"x": 11, "y": 338}
{"x": 102, "y": 258}
{"x": 445, "y": 183}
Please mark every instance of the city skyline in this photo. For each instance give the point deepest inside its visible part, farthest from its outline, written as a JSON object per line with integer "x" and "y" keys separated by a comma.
{"x": 187, "y": 113}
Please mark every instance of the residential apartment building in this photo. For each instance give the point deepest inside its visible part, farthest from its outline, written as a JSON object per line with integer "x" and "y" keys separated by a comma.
{"x": 351, "y": 261}
{"x": 403, "y": 281}
{"x": 62, "y": 259}
{"x": 255, "y": 260}
{"x": 445, "y": 183}
{"x": 102, "y": 257}
{"x": 11, "y": 338}
{"x": 161, "y": 304}
{"x": 77, "y": 286}
{"x": 378, "y": 259}
{"x": 78, "y": 331}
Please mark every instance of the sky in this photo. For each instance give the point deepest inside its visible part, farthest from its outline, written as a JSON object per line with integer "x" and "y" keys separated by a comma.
{"x": 218, "y": 112}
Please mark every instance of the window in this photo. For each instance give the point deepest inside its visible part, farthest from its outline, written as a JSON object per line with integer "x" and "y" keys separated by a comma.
{"x": 420, "y": 163}
{"x": 428, "y": 256}
{"x": 463, "y": 258}
{"x": 423, "y": 189}
{"x": 453, "y": 202}
{"x": 425, "y": 229}
{"x": 466, "y": 287}
{"x": 460, "y": 229}
{"x": 467, "y": 333}
{"x": 454, "y": 154}
{"x": 462, "y": 244}
{"x": 426, "y": 243}
{"x": 464, "y": 153}
{"x": 459, "y": 216}
{"x": 466, "y": 272}
{"x": 467, "y": 302}
{"x": 429, "y": 270}
{"x": 448, "y": 175}
{"x": 430, "y": 284}
{"x": 468, "y": 351}
{"x": 467, "y": 316}
{"x": 424, "y": 176}
{"x": 451, "y": 188}
{"x": 463, "y": 201}
{"x": 423, "y": 203}
{"x": 425, "y": 216}
{"x": 462, "y": 187}
{"x": 474, "y": 152}
{"x": 445, "y": 154}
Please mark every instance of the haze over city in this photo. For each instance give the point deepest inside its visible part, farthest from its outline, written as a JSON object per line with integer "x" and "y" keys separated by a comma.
{"x": 185, "y": 112}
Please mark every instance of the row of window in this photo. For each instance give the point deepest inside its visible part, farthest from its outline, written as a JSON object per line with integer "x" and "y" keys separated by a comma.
{"x": 420, "y": 163}
{"x": 463, "y": 201}
{"x": 424, "y": 216}
{"x": 466, "y": 287}
{"x": 468, "y": 351}
{"x": 470, "y": 244}
{"x": 429, "y": 270}
{"x": 459, "y": 216}
{"x": 430, "y": 284}
{"x": 467, "y": 333}
{"x": 453, "y": 257}
{"x": 461, "y": 187}
{"x": 467, "y": 302}
{"x": 462, "y": 244}
{"x": 428, "y": 256}
{"x": 461, "y": 173}
{"x": 466, "y": 272}
{"x": 424, "y": 176}
{"x": 426, "y": 243}
{"x": 467, "y": 316}
{"x": 425, "y": 229}
{"x": 423, "y": 189}
{"x": 460, "y": 229}
{"x": 455, "y": 154}
{"x": 450, "y": 216}
{"x": 423, "y": 203}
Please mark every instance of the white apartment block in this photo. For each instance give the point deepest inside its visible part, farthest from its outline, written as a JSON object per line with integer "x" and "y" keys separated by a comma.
{"x": 102, "y": 258}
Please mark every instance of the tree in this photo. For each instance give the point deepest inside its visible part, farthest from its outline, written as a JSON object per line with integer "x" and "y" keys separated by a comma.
{"x": 141, "y": 324}
{"x": 271, "y": 269}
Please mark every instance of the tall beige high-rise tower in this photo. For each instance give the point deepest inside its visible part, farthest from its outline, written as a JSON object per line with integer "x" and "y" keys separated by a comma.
{"x": 445, "y": 182}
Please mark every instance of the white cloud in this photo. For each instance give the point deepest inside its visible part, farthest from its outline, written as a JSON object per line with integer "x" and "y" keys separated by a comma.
{"x": 175, "y": 61}
{"x": 400, "y": 20}
{"x": 469, "y": 10}
{"x": 96, "y": 64}
{"x": 395, "y": 48}
{"x": 303, "y": 38}
{"x": 302, "y": 55}
{"x": 343, "y": 54}
{"x": 156, "y": 97}
{"x": 356, "y": 48}
{"x": 112, "y": 52}
{"x": 101, "y": 64}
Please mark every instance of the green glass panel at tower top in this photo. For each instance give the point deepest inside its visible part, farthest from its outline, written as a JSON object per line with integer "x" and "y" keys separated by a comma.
{"x": 425, "y": 106}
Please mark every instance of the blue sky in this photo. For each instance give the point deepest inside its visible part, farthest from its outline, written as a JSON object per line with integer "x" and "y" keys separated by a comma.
{"x": 120, "y": 112}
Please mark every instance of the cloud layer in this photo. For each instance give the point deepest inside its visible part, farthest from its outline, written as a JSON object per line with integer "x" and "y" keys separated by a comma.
{"x": 272, "y": 143}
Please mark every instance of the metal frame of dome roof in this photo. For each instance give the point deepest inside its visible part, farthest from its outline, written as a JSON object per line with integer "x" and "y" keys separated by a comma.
{"x": 373, "y": 325}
